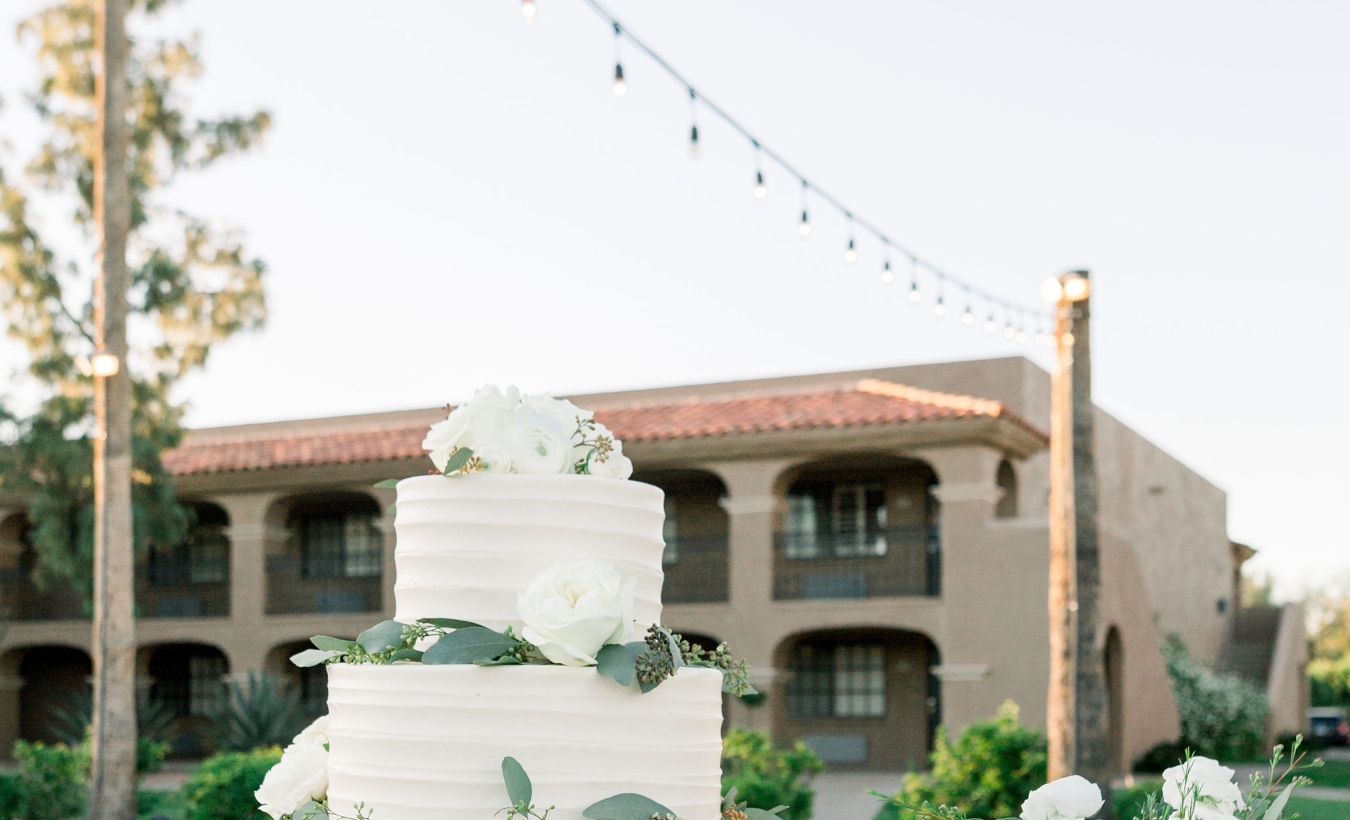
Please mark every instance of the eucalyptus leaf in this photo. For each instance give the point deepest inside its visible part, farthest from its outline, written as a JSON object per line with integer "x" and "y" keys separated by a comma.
{"x": 626, "y": 806}
{"x": 468, "y": 645}
{"x": 504, "y": 660}
{"x": 447, "y": 623}
{"x": 334, "y": 644}
{"x": 759, "y": 814}
{"x": 393, "y": 510}
{"x": 387, "y": 484}
{"x": 313, "y": 657}
{"x": 676, "y": 656}
{"x": 406, "y": 654}
{"x": 729, "y": 800}
{"x": 1276, "y": 810}
{"x": 619, "y": 661}
{"x": 310, "y": 811}
{"x": 457, "y": 459}
{"x": 518, "y": 786}
{"x": 381, "y": 637}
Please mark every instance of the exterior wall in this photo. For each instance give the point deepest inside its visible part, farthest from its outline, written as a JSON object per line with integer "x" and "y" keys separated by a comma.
{"x": 1288, "y": 688}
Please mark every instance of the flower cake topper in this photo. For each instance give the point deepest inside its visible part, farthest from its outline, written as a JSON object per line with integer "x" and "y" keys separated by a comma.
{"x": 505, "y": 432}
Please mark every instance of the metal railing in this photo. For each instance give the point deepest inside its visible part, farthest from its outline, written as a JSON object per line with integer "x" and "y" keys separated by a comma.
{"x": 900, "y": 561}
{"x": 700, "y": 572}
{"x": 291, "y": 591}
{"x": 183, "y": 587}
{"x": 22, "y": 600}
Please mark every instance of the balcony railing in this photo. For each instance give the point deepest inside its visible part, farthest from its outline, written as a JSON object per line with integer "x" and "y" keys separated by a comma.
{"x": 292, "y": 591}
{"x": 21, "y": 600}
{"x": 699, "y": 573}
{"x": 900, "y": 561}
{"x": 183, "y": 587}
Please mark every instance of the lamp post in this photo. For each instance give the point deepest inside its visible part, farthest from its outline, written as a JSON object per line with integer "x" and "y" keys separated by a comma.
{"x": 1074, "y": 565}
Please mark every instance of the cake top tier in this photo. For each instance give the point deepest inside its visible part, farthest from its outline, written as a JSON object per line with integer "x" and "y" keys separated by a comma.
{"x": 501, "y": 431}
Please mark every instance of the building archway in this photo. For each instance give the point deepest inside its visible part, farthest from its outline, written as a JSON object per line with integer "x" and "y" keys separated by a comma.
{"x": 187, "y": 688}
{"x": 311, "y": 681}
{"x": 191, "y": 579}
{"x": 332, "y": 559}
{"x": 1114, "y": 661}
{"x": 1006, "y": 481}
{"x": 862, "y": 698}
{"x": 55, "y": 696}
{"x": 695, "y": 560}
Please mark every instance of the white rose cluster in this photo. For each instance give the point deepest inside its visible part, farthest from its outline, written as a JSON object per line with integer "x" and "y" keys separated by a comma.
{"x": 300, "y": 776}
{"x": 1203, "y": 789}
{"x": 1068, "y": 798}
{"x": 511, "y": 433}
{"x": 575, "y": 607}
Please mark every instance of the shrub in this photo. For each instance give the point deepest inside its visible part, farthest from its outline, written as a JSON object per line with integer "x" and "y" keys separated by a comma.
{"x": 1222, "y": 716}
{"x": 766, "y": 776}
{"x": 222, "y": 787}
{"x": 260, "y": 713}
{"x": 53, "y": 779}
{"x": 12, "y": 802}
{"x": 1161, "y": 757}
{"x": 987, "y": 773}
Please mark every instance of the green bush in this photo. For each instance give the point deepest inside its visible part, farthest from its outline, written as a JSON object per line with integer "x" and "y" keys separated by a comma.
{"x": 1162, "y": 757}
{"x": 260, "y": 712}
{"x": 53, "y": 779}
{"x": 1222, "y": 716}
{"x": 987, "y": 773}
{"x": 12, "y": 802}
{"x": 765, "y": 776}
{"x": 1129, "y": 802}
{"x": 152, "y": 805}
{"x": 222, "y": 787}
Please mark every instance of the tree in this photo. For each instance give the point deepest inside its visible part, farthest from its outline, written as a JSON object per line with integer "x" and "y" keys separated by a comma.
{"x": 1329, "y": 646}
{"x": 192, "y": 284}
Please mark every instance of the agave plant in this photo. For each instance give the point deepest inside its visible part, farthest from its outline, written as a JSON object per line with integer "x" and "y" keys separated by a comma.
{"x": 261, "y": 711}
{"x": 70, "y": 720}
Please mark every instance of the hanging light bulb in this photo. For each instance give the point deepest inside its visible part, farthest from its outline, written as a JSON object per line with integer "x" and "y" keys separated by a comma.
{"x": 939, "y": 308}
{"x": 886, "y": 276}
{"x": 1021, "y": 336}
{"x": 620, "y": 87}
{"x": 968, "y": 318}
{"x": 851, "y": 254}
{"x": 760, "y": 190}
{"x": 990, "y": 325}
{"x": 693, "y": 126}
{"x": 805, "y": 228}
{"x": 914, "y": 295}
{"x": 1008, "y": 331}
{"x": 527, "y": 10}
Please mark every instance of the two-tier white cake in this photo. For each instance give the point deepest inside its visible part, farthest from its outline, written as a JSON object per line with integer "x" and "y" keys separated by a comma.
{"x": 417, "y": 742}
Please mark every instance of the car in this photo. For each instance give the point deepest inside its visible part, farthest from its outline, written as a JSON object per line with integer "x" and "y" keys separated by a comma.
{"x": 1328, "y": 726}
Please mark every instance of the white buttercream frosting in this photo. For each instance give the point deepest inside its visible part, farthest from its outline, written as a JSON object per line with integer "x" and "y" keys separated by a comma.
{"x": 467, "y": 545}
{"x": 418, "y": 742}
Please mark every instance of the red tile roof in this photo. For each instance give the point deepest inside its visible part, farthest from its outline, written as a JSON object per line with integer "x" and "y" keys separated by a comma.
{"x": 862, "y": 403}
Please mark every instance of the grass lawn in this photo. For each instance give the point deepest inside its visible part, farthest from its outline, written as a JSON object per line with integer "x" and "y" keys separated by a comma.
{"x": 1335, "y": 774}
{"x": 1317, "y": 809}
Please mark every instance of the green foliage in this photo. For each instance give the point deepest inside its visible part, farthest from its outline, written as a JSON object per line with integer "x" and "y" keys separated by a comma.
{"x": 1129, "y": 802}
{"x": 54, "y": 780}
{"x": 1161, "y": 757}
{"x": 191, "y": 285}
{"x": 1330, "y": 678}
{"x": 260, "y": 712}
{"x": 1309, "y": 809}
{"x": 13, "y": 799}
{"x": 765, "y": 776}
{"x": 1222, "y": 716}
{"x": 153, "y": 805}
{"x": 222, "y": 787}
{"x": 988, "y": 772}
{"x": 628, "y": 806}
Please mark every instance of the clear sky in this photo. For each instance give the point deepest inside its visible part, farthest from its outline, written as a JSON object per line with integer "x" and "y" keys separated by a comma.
{"x": 450, "y": 197}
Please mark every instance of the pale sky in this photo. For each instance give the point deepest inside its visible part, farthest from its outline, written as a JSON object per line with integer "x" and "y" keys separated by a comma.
{"x": 450, "y": 198}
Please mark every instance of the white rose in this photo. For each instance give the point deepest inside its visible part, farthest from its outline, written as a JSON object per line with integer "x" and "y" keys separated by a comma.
{"x": 575, "y": 607}
{"x": 537, "y": 443}
{"x": 568, "y": 414}
{"x": 300, "y": 776}
{"x": 1069, "y": 798}
{"x": 484, "y": 416}
{"x": 1202, "y": 786}
{"x": 612, "y": 463}
{"x": 493, "y": 456}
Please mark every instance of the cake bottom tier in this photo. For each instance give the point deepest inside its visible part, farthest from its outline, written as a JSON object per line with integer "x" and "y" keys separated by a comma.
{"x": 416, "y": 742}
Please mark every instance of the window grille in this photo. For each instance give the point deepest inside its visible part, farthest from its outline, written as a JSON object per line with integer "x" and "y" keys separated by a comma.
{"x": 837, "y": 682}
{"x": 846, "y": 521}
{"x": 206, "y": 687}
{"x": 208, "y": 556}
{"x": 341, "y": 546}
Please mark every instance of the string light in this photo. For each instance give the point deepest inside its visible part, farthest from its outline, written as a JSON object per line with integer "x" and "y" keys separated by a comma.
{"x": 990, "y": 325}
{"x": 939, "y": 308}
{"x": 1008, "y": 331}
{"x": 620, "y": 87}
{"x": 968, "y": 318}
{"x": 693, "y": 125}
{"x": 760, "y": 190}
{"x": 886, "y": 276}
{"x": 914, "y": 295}
{"x": 527, "y": 10}
{"x": 851, "y": 253}
{"x": 805, "y": 228}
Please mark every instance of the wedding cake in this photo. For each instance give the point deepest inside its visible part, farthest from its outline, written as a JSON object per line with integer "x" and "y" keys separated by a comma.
{"x": 528, "y": 574}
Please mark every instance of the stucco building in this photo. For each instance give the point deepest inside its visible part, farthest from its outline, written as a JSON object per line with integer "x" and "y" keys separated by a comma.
{"x": 875, "y": 543}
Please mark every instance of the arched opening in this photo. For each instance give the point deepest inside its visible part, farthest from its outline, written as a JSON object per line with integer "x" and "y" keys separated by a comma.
{"x": 55, "y": 697}
{"x": 191, "y": 579}
{"x": 188, "y": 692}
{"x": 22, "y": 598}
{"x": 311, "y": 681}
{"x": 1006, "y": 480}
{"x": 332, "y": 559}
{"x": 859, "y": 527}
{"x": 861, "y": 698}
{"x": 695, "y": 532}
{"x": 1115, "y": 700}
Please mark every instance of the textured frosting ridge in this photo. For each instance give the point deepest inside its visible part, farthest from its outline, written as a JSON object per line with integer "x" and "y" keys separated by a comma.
{"x": 420, "y": 742}
{"x": 468, "y": 545}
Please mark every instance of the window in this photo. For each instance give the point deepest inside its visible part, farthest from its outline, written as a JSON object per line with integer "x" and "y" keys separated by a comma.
{"x": 341, "y": 546}
{"x": 1006, "y": 479}
{"x": 845, "y": 521}
{"x": 670, "y": 533}
{"x": 838, "y": 681}
{"x": 206, "y": 687}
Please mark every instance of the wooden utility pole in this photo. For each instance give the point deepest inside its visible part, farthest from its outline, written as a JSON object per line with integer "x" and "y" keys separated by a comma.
{"x": 1092, "y": 718}
{"x": 1063, "y": 615}
{"x": 112, "y": 787}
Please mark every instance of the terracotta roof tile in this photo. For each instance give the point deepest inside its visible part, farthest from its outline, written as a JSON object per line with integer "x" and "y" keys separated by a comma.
{"x": 862, "y": 403}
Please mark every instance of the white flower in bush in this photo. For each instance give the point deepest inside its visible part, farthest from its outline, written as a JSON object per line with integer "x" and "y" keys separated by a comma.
{"x": 1204, "y": 788}
{"x": 575, "y": 607}
{"x": 1069, "y": 798}
{"x": 300, "y": 776}
{"x": 486, "y": 415}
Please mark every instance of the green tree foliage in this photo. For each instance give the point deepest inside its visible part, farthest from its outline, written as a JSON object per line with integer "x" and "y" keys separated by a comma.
{"x": 765, "y": 776}
{"x": 1329, "y": 647}
{"x": 222, "y": 787}
{"x": 192, "y": 284}
{"x": 988, "y": 772}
